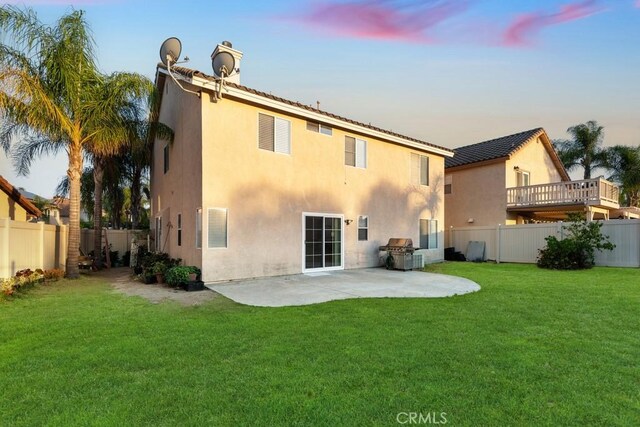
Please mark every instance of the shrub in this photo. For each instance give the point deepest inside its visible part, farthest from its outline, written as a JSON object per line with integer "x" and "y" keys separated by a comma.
{"x": 159, "y": 268}
{"x": 577, "y": 250}
{"x": 53, "y": 274}
{"x": 179, "y": 275}
{"x": 23, "y": 279}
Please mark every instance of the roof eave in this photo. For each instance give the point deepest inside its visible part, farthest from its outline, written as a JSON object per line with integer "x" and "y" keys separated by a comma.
{"x": 239, "y": 94}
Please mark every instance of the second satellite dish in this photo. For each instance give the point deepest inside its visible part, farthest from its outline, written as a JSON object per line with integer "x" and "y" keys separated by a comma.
{"x": 223, "y": 63}
{"x": 170, "y": 50}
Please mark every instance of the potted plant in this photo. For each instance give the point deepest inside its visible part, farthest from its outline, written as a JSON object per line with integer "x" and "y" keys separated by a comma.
{"x": 159, "y": 269}
{"x": 185, "y": 277}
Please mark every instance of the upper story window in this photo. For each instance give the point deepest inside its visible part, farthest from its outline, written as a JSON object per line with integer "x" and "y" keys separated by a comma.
{"x": 522, "y": 178}
{"x": 355, "y": 152}
{"x": 320, "y": 128}
{"x": 419, "y": 169}
{"x": 165, "y": 153}
{"x": 274, "y": 134}
{"x": 448, "y": 181}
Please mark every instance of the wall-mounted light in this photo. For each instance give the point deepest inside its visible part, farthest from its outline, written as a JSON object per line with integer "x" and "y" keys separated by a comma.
{"x": 516, "y": 168}
{"x": 348, "y": 221}
{"x": 470, "y": 220}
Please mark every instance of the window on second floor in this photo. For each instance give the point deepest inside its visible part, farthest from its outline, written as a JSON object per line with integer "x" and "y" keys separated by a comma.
{"x": 165, "y": 153}
{"x": 274, "y": 134}
{"x": 320, "y": 128}
{"x": 355, "y": 152}
{"x": 419, "y": 169}
{"x": 522, "y": 178}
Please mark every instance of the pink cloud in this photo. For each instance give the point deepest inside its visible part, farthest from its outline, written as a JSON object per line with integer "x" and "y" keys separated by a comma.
{"x": 380, "y": 19}
{"x": 524, "y": 27}
{"x": 638, "y": 3}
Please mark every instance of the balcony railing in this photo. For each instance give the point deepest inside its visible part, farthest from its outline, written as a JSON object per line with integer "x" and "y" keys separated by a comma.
{"x": 594, "y": 192}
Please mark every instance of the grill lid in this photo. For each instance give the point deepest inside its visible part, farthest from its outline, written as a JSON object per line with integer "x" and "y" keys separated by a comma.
{"x": 398, "y": 244}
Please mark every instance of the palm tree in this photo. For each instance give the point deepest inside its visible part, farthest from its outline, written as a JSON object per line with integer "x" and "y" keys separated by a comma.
{"x": 585, "y": 148}
{"x": 143, "y": 130}
{"x": 52, "y": 97}
{"x": 624, "y": 164}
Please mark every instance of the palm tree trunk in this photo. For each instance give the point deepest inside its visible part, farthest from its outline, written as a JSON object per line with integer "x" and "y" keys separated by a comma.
{"x": 98, "y": 174}
{"x": 135, "y": 198}
{"x": 74, "y": 173}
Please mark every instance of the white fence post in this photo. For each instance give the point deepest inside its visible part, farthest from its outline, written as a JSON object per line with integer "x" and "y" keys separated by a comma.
{"x": 41, "y": 244}
{"x": 498, "y": 244}
{"x": 5, "y": 272}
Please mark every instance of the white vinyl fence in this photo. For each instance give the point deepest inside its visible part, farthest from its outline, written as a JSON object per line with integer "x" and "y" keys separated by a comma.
{"x": 119, "y": 240}
{"x": 31, "y": 245}
{"x": 39, "y": 245}
{"x": 520, "y": 243}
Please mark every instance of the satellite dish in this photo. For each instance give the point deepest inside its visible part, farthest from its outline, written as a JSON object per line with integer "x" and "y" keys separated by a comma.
{"x": 223, "y": 64}
{"x": 170, "y": 50}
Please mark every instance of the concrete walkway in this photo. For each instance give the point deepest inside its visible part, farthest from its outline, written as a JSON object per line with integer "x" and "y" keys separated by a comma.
{"x": 304, "y": 289}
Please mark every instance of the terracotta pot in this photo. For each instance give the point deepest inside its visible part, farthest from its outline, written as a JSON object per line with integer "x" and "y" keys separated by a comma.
{"x": 160, "y": 278}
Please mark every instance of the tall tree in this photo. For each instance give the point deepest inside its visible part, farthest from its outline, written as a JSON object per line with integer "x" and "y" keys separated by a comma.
{"x": 584, "y": 150}
{"x": 144, "y": 128}
{"x": 623, "y": 162}
{"x": 51, "y": 97}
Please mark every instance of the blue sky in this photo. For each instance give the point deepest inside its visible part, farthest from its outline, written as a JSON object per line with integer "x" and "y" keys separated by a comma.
{"x": 448, "y": 72}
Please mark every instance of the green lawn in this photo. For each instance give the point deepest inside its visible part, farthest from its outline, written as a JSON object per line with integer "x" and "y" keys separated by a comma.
{"x": 533, "y": 347}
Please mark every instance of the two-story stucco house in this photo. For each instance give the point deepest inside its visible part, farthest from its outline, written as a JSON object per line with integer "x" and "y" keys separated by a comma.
{"x": 256, "y": 185}
{"x": 519, "y": 178}
{"x": 14, "y": 205}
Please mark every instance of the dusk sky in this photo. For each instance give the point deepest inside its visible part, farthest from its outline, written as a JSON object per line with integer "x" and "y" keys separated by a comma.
{"x": 448, "y": 72}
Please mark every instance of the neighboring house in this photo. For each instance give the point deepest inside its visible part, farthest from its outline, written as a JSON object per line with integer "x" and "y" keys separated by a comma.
{"x": 59, "y": 209}
{"x": 256, "y": 185}
{"x": 14, "y": 205}
{"x": 517, "y": 179}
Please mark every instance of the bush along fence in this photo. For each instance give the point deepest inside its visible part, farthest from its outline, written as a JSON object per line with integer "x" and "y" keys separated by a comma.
{"x": 521, "y": 243}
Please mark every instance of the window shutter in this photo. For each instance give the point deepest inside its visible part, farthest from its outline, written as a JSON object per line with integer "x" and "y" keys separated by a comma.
{"x": 349, "y": 151}
{"x": 282, "y": 136}
{"x": 199, "y": 228}
{"x": 424, "y": 170}
{"x": 424, "y": 234}
{"x": 265, "y": 132}
{"x": 361, "y": 153}
{"x": 415, "y": 169}
{"x": 433, "y": 234}
{"x": 217, "y": 228}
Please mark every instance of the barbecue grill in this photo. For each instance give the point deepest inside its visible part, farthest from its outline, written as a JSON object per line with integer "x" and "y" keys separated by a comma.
{"x": 401, "y": 252}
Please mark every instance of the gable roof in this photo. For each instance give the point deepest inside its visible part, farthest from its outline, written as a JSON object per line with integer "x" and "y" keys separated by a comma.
{"x": 503, "y": 148}
{"x": 492, "y": 149}
{"x": 13, "y": 192}
{"x": 302, "y": 109}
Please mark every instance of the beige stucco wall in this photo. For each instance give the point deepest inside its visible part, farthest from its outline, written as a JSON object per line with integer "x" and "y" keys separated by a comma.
{"x": 480, "y": 192}
{"x": 266, "y": 193}
{"x": 179, "y": 190}
{"x": 10, "y": 209}
{"x": 477, "y": 193}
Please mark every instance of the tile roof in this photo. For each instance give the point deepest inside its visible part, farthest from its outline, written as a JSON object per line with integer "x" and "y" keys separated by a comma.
{"x": 194, "y": 73}
{"x": 492, "y": 149}
{"x": 13, "y": 192}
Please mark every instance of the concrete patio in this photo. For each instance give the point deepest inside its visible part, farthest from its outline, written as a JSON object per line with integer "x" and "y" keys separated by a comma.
{"x": 313, "y": 288}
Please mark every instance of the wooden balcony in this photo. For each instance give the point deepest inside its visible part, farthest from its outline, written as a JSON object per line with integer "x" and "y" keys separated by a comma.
{"x": 596, "y": 193}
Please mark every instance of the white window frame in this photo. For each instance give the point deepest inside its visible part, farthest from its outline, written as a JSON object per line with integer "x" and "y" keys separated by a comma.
{"x": 366, "y": 227}
{"x": 179, "y": 229}
{"x": 360, "y": 153}
{"x": 199, "y": 228}
{"x": 432, "y": 233}
{"x": 322, "y": 129}
{"x": 226, "y": 232}
{"x": 276, "y": 120}
{"x": 417, "y": 162}
{"x": 520, "y": 178}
